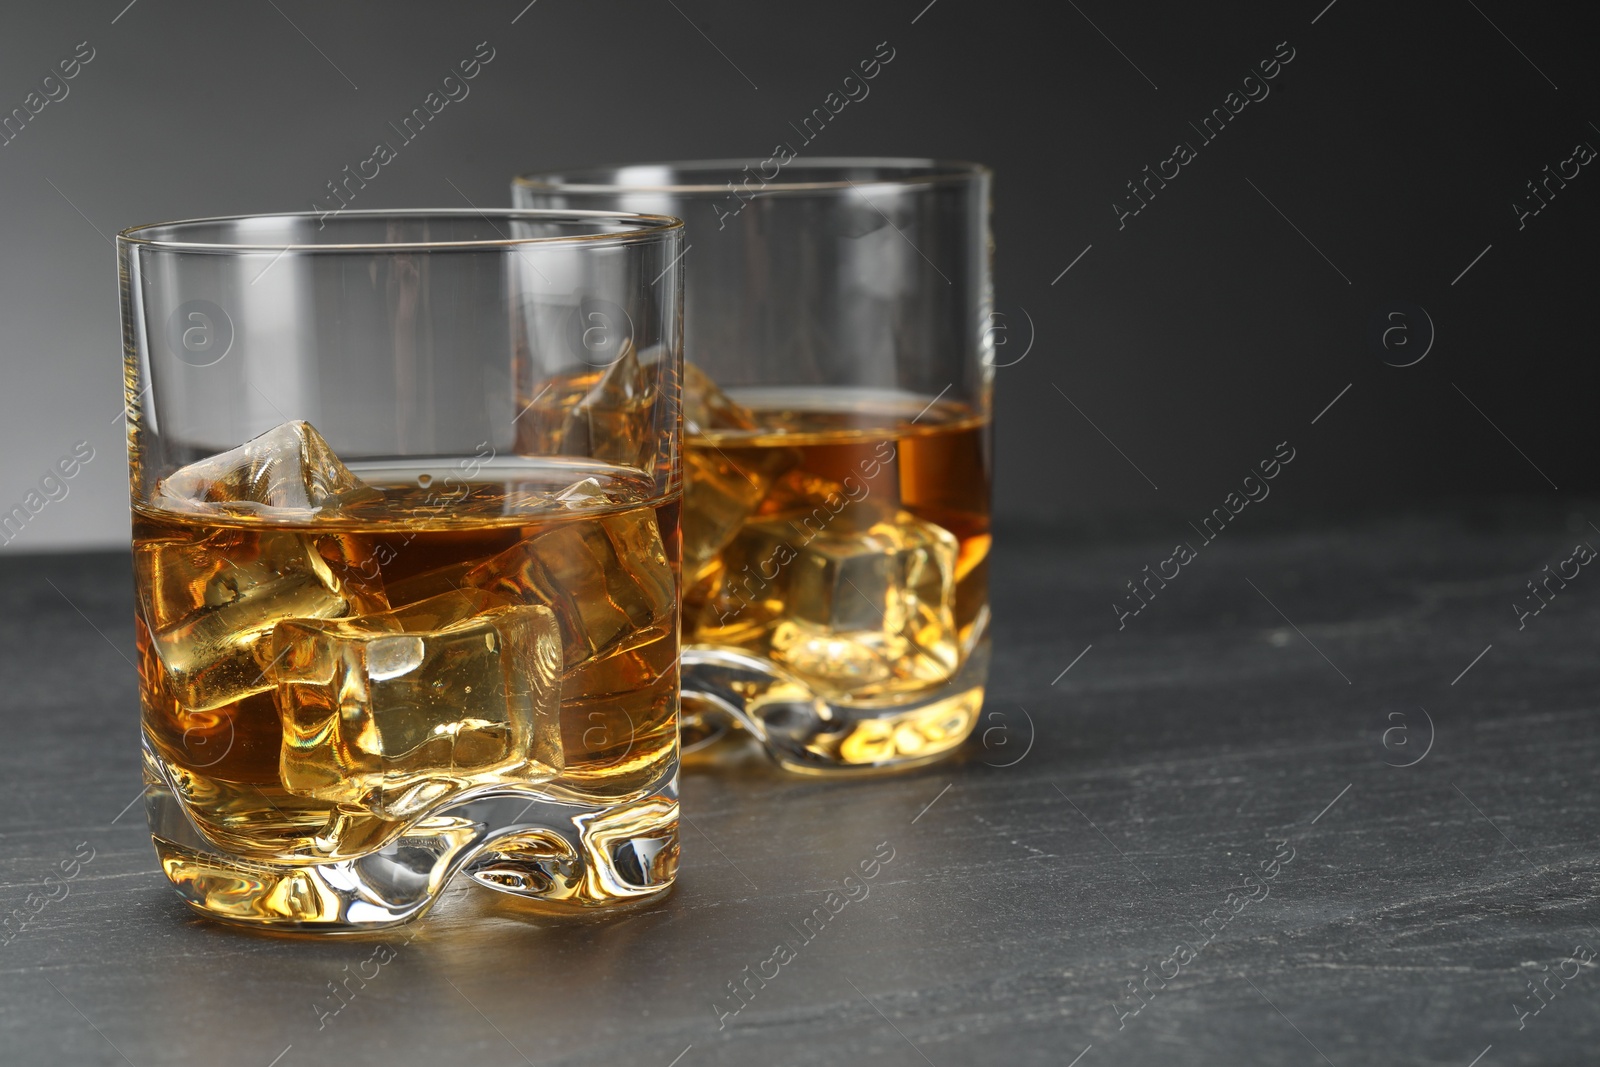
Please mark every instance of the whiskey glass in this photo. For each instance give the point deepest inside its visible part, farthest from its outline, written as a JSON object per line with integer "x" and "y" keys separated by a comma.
{"x": 392, "y": 623}
{"x": 839, "y": 365}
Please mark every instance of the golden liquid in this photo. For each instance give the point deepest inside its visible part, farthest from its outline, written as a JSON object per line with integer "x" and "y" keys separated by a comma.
{"x": 786, "y": 520}
{"x": 607, "y": 567}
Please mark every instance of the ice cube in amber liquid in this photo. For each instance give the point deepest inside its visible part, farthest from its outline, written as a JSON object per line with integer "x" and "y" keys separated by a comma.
{"x": 312, "y": 685}
{"x": 843, "y": 536}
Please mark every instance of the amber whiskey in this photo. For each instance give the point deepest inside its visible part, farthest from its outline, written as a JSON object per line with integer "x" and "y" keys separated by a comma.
{"x": 842, "y": 535}
{"x": 313, "y": 686}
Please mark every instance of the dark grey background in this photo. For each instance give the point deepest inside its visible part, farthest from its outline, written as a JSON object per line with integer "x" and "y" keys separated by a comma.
{"x": 1195, "y": 339}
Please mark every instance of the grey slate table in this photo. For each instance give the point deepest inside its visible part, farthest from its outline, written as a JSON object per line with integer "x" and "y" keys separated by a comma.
{"x": 1099, "y": 822}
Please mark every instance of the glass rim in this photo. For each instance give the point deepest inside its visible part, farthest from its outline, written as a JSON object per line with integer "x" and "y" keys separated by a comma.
{"x": 649, "y": 227}
{"x": 893, "y": 170}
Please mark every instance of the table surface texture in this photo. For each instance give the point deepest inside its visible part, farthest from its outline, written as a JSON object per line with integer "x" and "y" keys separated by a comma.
{"x": 1326, "y": 798}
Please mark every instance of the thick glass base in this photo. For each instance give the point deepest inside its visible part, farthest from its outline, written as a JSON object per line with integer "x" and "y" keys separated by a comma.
{"x": 549, "y": 844}
{"x": 727, "y": 693}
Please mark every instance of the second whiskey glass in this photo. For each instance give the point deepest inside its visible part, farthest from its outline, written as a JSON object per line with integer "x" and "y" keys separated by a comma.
{"x": 837, "y": 447}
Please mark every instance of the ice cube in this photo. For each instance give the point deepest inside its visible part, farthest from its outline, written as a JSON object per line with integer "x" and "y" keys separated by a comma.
{"x": 609, "y": 581}
{"x": 856, "y": 613}
{"x": 606, "y": 578}
{"x": 356, "y": 563}
{"x": 425, "y": 584}
{"x": 706, "y": 407}
{"x": 587, "y": 493}
{"x": 606, "y": 413}
{"x": 211, "y": 603}
{"x": 584, "y": 493}
{"x": 391, "y": 713}
{"x": 811, "y": 501}
{"x": 723, "y": 484}
{"x": 747, "y": 584}
{"x": 289, "y": 472}
{"x": 802, "y": 490}
{"x": 722, "y": 489}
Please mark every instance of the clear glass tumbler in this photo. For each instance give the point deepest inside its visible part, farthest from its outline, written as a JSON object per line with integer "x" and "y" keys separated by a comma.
{"x": 837, "y": 447}
{"x": 394, "y": 623}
